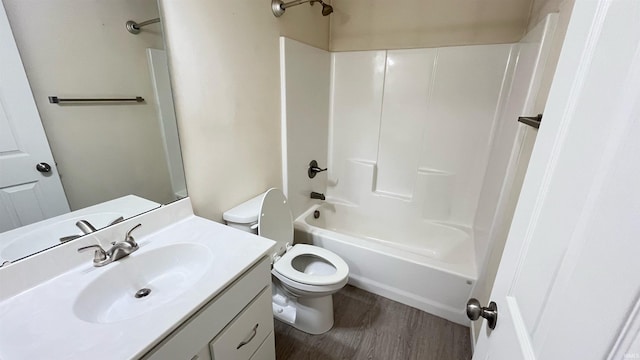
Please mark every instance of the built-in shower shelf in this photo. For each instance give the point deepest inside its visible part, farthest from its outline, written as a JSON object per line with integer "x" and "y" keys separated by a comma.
{"x": 430, "y": 171}
{"x": 393, "y": 195}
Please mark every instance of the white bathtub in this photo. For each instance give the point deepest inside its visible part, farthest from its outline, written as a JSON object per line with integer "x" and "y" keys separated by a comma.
{"x": 423, "y": 264}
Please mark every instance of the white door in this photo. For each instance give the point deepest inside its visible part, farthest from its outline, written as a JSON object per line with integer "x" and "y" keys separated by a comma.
{"x": 568, "y": 286}
{"x": 26, "y": 194}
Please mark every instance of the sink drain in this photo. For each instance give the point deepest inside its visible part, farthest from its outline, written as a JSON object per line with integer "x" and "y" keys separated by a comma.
{"x": 142, "y": 293}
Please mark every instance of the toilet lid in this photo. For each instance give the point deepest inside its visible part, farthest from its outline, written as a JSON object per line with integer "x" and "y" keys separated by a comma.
{"x": 275, "y": 221}
{"x": 284, "y": 266}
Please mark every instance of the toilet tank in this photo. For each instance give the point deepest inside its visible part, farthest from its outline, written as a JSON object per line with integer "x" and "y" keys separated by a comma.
{"x": 245, "y": 216}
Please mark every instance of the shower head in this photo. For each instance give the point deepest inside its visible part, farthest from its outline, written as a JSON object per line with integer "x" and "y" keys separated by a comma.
{"x": 279, "y": 6}
{"x": 326, "y": 9}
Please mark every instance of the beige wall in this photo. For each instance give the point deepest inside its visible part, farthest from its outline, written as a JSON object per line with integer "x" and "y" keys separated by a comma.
{"x": 80, "y": 48}
{"x": 224, "y": 60}
{"x": 540, "y": 9}
{"x": 383, "y": 24}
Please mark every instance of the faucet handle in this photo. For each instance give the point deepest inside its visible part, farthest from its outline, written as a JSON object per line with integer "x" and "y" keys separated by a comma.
{"x": 99, "y": 255}
{"x": 314, "y": 169}
{"x": 128, "y": 238}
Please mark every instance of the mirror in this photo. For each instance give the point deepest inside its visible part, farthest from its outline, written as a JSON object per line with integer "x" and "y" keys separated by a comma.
{"x": 113, "y": 159}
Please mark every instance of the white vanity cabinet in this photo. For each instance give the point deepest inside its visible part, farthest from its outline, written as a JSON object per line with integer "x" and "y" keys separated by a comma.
{"x": 210, "y": 295}
{"x": 237, "y": 324}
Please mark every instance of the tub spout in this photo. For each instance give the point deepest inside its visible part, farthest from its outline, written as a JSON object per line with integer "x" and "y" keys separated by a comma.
{"x": 315, "y": 195}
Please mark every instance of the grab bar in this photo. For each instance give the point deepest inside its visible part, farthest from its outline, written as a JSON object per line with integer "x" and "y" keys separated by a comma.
{"x": 57, "y": 100}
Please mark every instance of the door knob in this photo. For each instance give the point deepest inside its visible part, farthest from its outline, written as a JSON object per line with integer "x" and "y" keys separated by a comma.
{"x": 475, "y": 311}
{"x": 43, "y": 167}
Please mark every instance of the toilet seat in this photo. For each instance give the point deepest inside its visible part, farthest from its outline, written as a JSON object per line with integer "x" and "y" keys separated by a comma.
{"x": 285, "y": 267}
{"x": 275, "y": 222}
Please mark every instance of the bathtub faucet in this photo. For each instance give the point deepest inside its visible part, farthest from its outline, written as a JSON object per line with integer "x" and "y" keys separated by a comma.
{"x": 315, "y": 195}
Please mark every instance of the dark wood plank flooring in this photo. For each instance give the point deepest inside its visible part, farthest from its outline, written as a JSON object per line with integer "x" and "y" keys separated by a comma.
{"x": 368, "y": 326}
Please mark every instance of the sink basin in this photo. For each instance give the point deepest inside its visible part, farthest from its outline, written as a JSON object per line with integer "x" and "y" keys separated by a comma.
{"x": 158, "y": 276}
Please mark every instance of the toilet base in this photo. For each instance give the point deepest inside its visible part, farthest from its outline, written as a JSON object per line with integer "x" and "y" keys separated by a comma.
{"x": 313, "y": 315}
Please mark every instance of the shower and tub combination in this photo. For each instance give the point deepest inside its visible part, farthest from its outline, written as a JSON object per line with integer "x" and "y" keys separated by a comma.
{"x": 421, "y": 148}
{"x": 423, "y": 264}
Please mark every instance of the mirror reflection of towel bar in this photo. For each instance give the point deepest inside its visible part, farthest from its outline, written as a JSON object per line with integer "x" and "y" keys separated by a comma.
{"x": 57, "y": 100}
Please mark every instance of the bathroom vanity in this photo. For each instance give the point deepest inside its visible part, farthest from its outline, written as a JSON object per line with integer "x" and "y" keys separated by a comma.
{"x": 240, "y": 318}
{"x": 195, "y": 289}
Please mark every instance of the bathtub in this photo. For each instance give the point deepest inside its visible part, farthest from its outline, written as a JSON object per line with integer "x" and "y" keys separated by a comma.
{"x": 424, "y": 264}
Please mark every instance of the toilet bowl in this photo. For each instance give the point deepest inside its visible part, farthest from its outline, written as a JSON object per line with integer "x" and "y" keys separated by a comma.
{"x": 304, "y": 276}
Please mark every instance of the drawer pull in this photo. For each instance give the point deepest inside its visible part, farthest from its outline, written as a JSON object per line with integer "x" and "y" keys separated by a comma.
{"x": 253, "y": 334}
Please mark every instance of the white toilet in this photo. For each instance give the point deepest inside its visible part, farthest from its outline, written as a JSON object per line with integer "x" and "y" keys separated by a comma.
{"x": 304, "y": 276}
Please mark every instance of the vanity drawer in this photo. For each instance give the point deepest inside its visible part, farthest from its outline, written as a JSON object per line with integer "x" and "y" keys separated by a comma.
{"x": 246, "y": 333}
{"x": 266, "y": 351}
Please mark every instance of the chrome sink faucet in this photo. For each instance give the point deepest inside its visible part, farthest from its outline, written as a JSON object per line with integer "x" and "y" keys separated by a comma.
{"x": 86, "y": 228}
{"x": 117, "y": 251}
{"x": 83, "y": 225}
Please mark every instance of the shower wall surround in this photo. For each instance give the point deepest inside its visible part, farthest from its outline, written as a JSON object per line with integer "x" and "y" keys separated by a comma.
{"x": 417, "y": 139}
{"x": 304, "y": 82}
{"x": 411, "y": 130}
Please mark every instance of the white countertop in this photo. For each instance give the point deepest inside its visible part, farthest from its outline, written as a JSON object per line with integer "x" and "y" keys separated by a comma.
{"x": 40, "y": 322}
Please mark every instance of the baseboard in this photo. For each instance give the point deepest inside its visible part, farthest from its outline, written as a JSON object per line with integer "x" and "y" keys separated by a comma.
{"x": 437, "y": 309}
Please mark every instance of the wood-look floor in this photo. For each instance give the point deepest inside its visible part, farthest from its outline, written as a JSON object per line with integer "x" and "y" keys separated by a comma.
{"x": 368, "y": 326}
